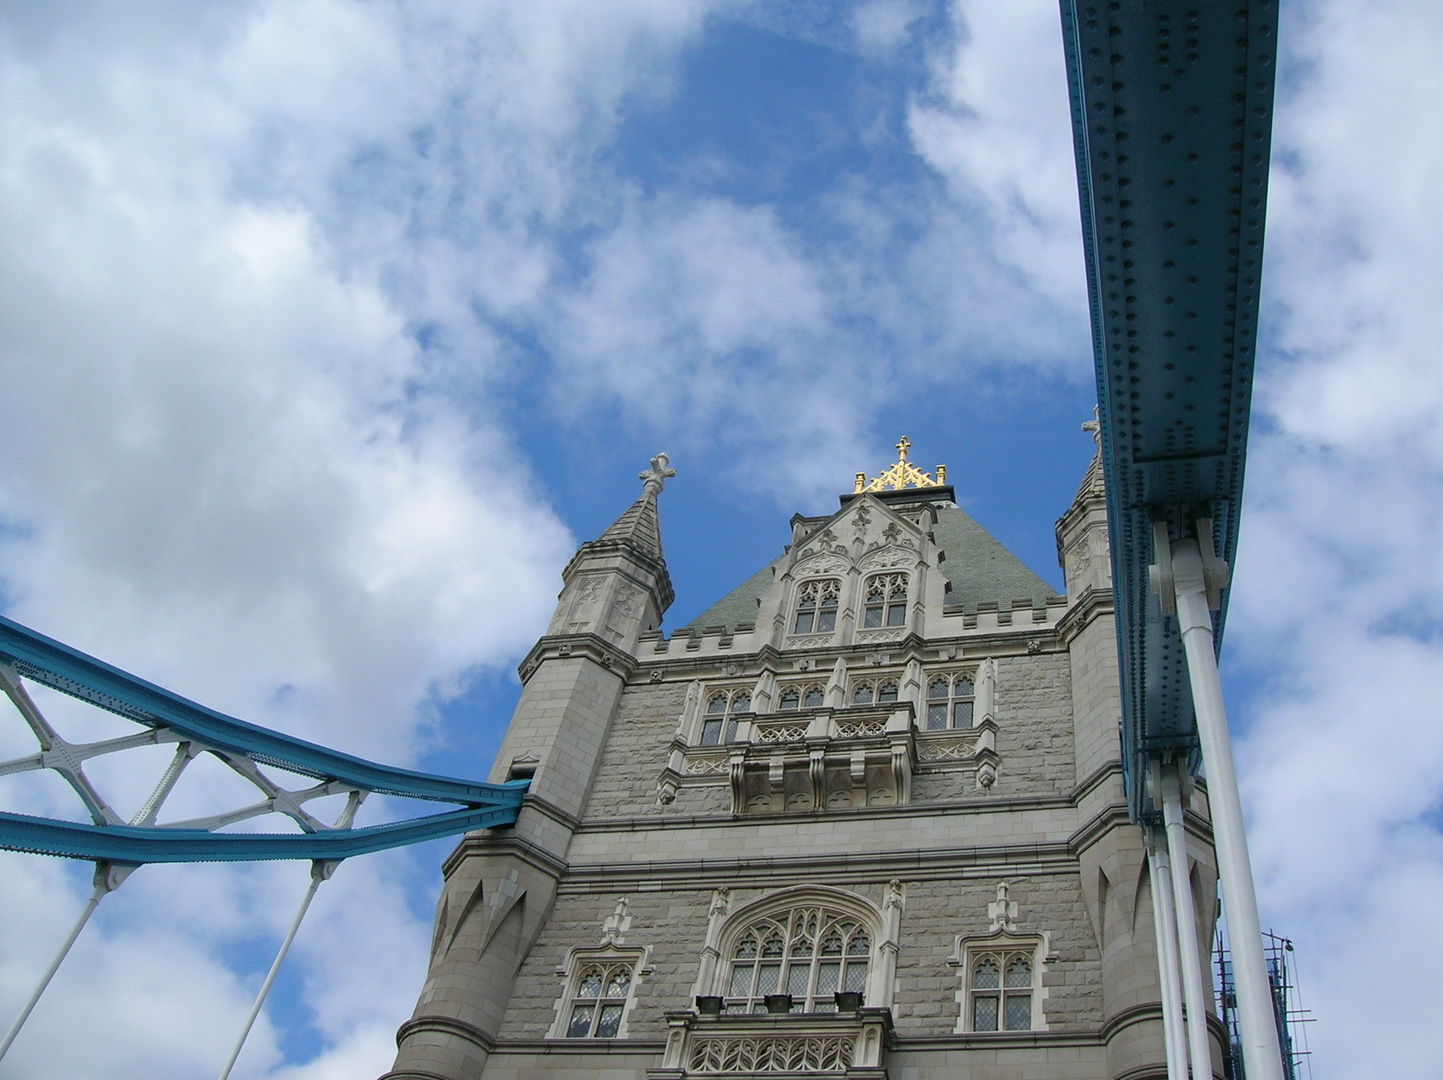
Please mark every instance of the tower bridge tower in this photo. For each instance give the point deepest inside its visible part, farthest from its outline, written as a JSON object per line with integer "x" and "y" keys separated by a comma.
{"x": 863, "y": 817}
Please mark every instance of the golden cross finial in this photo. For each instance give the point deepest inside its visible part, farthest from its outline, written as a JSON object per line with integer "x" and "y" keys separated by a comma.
{"x": 902, "y": 473}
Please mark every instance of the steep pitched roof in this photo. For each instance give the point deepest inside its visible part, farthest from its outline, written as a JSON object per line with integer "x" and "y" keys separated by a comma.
{"x": 978, "y": 566}
{"x": 638, "y": 527}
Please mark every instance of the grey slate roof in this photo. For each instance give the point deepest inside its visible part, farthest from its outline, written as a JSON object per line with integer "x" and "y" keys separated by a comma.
{"x": 637, "y": 526}
{"x": 978, "y": 566}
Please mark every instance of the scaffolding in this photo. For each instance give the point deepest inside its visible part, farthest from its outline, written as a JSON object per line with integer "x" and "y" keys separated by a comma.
{"x": 1288, "y": 1011}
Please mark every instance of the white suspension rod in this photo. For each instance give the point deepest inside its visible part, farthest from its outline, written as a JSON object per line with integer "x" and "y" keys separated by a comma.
{"x": 1165, "y": 923}
{"x": 320, "y": 871}
{"x": 1193, "y": 993}
{"x": 1262, "y": 1057}
{"x": 107, "y": 879}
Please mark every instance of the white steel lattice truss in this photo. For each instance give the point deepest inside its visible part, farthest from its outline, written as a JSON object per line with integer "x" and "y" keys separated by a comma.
{"x": 118, "y": 847}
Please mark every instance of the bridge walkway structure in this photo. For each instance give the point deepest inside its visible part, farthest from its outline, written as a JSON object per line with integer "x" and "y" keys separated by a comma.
{"x": 1172, "y": 107}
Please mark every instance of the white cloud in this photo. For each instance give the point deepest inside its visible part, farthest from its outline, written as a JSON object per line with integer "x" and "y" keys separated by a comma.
{"x": 231, "y": 465}
{"x": 996, "y": 126}
{"x": 883, "y": 25}
{"x": 257, "y": 267}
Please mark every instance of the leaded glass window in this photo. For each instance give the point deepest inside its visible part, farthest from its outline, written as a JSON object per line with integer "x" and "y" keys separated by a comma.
{"x": 886, "y": 601}
{"x": 949, "y": 702}
{"x": 810, "y": 953}
{"x": 817, "y": 606}
{"x": 719, "y": 722}
{"x": 812, "y": 696}
{"x": 599, "y": 1001}
{"x": 874, "y": 691}
{"x": 1001, "y": 992}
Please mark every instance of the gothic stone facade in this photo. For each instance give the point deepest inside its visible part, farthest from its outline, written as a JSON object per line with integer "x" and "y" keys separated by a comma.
{"x": 863, "y": 818}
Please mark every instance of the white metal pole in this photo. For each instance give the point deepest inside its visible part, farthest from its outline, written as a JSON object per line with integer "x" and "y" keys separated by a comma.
{"x": 320, "y": 871}
{"x": 107, "y": 879}
{"x": 1164, "y": 922}
{"x": 1262, "y": 1056}
{"x": 1193, "y": 993}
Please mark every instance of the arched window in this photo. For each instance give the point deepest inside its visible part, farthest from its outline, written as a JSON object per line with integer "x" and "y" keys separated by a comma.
{"x": 1000, "y": 989}
{"x": 886, "y": 601}
{"x": 719, "y": 722}
{"x": 598, "y": 1001}
{"x": 949, "y": 702}
{"x": 874, "y": 691}
{"x": 813, "y": 696}
{"x": 810, "y": 953}
{"x": 817, "y": 606}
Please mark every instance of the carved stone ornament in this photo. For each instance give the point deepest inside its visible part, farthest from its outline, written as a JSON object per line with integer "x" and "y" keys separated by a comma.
{"x": 896, "y": 634}
{"x": 1002, "y": 912}
{"x": 811, "y": 641}
{"x": 615, "y": 926}
{"x": 889, "y": 557}
{"x": 822, "y": 564}
{"x": 655, "y": 478}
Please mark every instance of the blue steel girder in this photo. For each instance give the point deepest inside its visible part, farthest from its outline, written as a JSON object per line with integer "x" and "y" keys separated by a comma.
{"x": 1172, "y": 108}
{"x": 171, "y": 718}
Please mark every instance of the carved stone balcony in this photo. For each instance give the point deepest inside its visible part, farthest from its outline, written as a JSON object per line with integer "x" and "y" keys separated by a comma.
{"x": 823, "y": 760}
{"x": 845, "y": 1046}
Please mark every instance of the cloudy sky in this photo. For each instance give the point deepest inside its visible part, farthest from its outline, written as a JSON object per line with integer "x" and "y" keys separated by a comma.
{"x": 328, "y": 329}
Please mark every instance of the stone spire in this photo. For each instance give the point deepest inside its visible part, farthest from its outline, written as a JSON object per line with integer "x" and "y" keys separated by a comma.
{"x": 639, "y": 526}
{"x": 617, "y": 585}
{"x": 1082, "y": 547}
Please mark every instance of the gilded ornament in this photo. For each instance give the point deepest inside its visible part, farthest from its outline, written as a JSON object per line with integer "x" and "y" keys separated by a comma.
{"x": 902, "y": 474}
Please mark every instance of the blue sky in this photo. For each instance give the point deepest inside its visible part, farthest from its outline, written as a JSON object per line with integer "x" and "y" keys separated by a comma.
{"x": 332, "y": 327}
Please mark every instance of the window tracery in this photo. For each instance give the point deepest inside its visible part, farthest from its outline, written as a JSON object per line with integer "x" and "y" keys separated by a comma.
{"x": 719, "y": 722}
{"x": 817, "y": 606}
{"x": 599, "y": 1001}
{"x": 600, "y": 987}
{"x": 875, "y": 691}
{"x": 808, "y": 696}
{"x": 1000, "y": 991}
{"x": 950, "y": 702}
{"x": 810, "y": 953}
{"x": 886, "y": 601}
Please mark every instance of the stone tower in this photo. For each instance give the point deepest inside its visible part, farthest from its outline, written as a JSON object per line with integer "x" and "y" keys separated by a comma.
{"x": 863, "y": 817}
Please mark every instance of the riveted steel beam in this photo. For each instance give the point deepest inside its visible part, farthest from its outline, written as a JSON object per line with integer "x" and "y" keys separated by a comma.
{"x": 241, "y": 747}
{"x": 1172, "y": 107}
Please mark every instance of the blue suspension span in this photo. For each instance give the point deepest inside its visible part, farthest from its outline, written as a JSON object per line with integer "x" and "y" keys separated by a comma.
{"x": 1172, "y": 106}
{"x": 168, "y": 718}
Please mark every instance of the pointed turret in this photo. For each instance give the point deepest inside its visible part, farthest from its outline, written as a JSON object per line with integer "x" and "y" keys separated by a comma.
{"x": 1082, "y": 548}
{"x": 617, "y": 585}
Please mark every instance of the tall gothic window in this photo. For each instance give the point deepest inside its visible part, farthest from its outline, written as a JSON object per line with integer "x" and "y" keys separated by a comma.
{"x": 719, "y": 722}
{"x": 949, "y": 702}
{"x": 817, "y": 606}
{"x": 1000, "y": 991}
{"x": 886, "y": 601}
{"x": 598, "y": 1001}
{"x": 874, "y": 691}
{"x": 810, "y": 953}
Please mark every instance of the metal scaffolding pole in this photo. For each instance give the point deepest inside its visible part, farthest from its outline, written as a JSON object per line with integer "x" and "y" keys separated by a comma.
{"x": 1261, "y": 1054}
{"x": 1164, "y": 922}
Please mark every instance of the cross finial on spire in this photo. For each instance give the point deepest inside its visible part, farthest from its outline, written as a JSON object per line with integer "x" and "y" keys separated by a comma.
{"x": 655, "y": 478}
{"x": 903, "y": 445}
{"x": 1095, "y": 426}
